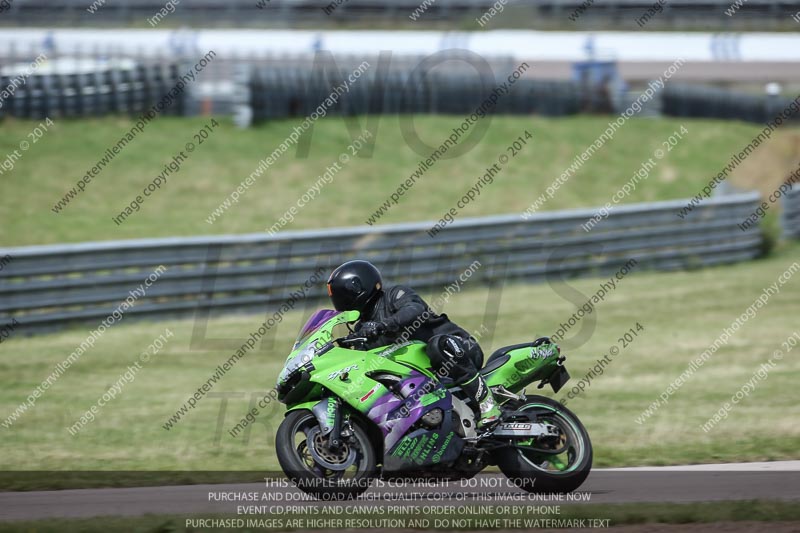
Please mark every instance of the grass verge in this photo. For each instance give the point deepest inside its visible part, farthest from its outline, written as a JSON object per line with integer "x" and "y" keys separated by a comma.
{"x": 128, "y": 433}
{"x": 51, "y": 166}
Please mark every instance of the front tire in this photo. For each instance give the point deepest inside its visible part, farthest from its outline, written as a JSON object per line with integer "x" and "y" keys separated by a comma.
{"x": 323, "y": 481}
{"x": 543, "y": 473}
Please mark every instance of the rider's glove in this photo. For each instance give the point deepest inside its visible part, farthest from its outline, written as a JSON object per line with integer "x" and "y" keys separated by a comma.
{"x": 372, "y": 330}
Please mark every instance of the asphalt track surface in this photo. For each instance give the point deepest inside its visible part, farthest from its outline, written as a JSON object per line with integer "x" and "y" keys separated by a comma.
{"x": 778, "y": 480}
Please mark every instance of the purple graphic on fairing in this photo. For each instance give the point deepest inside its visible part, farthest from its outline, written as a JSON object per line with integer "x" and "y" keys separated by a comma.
{"x": 395, "y": 416}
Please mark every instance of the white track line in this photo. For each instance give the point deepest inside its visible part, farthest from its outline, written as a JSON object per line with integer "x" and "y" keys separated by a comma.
{"x": 764, "y": 466}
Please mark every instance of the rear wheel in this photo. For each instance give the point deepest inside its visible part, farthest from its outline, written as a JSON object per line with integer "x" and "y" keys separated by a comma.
{"x": 328, "y": 474}
{"x": 560, "y": 464}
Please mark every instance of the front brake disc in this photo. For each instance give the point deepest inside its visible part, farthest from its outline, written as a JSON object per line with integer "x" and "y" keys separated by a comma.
{"x": 340, "y": 459}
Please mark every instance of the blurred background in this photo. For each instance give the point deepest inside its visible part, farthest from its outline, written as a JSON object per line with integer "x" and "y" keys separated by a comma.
{"x": 244, "y": 145}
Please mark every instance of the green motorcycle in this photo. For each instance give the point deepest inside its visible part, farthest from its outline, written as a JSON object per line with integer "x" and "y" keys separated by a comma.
{"x": 356, "y": 414}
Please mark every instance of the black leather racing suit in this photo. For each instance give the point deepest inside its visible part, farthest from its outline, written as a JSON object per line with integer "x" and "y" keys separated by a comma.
{"x": 406, "y": 316}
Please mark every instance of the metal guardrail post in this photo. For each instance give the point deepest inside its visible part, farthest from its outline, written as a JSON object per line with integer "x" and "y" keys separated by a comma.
{"x": 790, "y": 214}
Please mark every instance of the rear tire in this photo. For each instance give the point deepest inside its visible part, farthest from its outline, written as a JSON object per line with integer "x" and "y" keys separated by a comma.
{"x": 533, "y": 472}
{"x": 299, "y": 465}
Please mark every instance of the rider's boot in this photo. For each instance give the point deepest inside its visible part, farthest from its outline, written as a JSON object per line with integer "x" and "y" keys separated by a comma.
{"x": 489, "y": 410}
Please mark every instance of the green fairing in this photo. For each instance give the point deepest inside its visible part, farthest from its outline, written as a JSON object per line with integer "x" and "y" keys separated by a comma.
{"x": 343, "y": 371}
{"x": 415, "y": 427}
{"x": 521, "y": 369}
{"x": 332, "y": 366}
{"x": 302, "y": 405}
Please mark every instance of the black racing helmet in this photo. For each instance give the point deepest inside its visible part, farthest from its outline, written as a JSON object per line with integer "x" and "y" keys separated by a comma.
{"x": 354, "y": 286}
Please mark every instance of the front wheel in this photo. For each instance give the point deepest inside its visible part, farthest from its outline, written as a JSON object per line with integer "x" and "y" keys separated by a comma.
{"x": 316, "y": 469}
{"x": 557, "y": 465}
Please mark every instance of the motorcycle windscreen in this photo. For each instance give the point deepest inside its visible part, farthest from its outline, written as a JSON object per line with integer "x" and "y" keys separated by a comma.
{"x": 316, "y": 321}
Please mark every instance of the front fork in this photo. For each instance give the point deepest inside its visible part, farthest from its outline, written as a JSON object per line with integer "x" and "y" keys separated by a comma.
{"x": 329, "y": 418}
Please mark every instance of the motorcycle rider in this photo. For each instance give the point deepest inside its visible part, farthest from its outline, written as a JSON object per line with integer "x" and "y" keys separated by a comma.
{"x": 392, "y": 313}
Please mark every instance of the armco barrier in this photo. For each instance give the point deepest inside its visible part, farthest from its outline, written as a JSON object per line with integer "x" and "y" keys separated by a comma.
{"x": 790, "y": 216}
{"x": 45, "y": 287}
